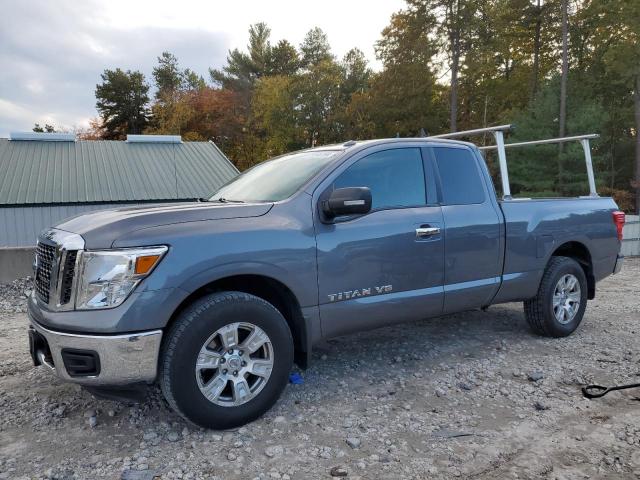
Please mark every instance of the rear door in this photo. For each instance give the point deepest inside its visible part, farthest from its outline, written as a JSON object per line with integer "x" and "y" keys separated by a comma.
{"x": 473, "y": 229}
{"x": 387, "y": 265}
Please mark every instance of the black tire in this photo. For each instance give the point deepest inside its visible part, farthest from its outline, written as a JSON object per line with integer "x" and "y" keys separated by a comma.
{"x": 539, "y": 312}
{"x": 188, "y": 334}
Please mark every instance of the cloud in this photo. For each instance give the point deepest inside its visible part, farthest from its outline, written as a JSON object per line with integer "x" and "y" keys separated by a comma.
{"x": 53, "y": 52}
{"x": 14, "y": 112}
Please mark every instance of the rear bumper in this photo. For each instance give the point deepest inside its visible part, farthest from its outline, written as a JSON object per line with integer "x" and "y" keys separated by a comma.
{"x": 618, "y": 265}
{"x": 121, "y": 359}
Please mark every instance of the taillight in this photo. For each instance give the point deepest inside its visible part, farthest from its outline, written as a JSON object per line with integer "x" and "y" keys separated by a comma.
{"x": 618, "y": 219}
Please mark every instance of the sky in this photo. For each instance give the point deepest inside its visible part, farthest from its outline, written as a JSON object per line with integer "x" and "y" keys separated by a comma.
{"x": 53, "y": 52}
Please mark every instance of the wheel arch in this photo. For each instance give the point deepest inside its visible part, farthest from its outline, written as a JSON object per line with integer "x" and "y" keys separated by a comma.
{"x": 579, "y": 252}
{"x": 269, "y": 289}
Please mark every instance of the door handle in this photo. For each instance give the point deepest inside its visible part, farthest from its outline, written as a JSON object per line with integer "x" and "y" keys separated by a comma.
{"x": 427, "y": 231}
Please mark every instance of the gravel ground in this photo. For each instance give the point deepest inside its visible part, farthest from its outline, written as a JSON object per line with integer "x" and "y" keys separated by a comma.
{"x": 472, "y": 395}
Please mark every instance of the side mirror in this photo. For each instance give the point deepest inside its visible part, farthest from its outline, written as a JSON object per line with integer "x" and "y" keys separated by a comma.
{"x": 347, "y": 201}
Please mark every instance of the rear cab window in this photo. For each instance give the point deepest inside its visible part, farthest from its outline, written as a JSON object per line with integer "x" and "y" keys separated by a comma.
{"x": 460, "y": 177}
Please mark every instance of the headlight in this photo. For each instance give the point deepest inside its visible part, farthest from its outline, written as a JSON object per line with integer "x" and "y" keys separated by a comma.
{"x": 108, "y": 277}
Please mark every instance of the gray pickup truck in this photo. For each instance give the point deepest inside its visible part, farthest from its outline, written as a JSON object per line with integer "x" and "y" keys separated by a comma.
{"x": 215, "y": 300}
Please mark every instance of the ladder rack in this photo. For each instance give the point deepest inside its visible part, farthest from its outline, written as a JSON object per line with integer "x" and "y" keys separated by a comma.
{"x": 500, "y": 146}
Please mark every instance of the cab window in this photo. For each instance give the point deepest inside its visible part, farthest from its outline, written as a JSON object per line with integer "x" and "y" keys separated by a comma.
{"x": 395, "y": 178}
{"x": 459, "y": 176}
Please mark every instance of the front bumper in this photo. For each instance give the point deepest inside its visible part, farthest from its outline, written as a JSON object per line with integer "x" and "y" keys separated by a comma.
{"x": 618, "y": 265}
{"x": 122, "y": 359}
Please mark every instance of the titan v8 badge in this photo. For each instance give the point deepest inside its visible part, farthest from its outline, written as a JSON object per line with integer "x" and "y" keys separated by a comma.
{"x": 359, "y": 292}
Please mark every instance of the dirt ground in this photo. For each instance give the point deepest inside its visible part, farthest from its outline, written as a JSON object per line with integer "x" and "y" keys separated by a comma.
{"x": 472, "y": 395}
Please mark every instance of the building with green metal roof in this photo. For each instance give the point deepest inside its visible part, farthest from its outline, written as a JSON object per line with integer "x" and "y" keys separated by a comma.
{"x": 46, "y": 177}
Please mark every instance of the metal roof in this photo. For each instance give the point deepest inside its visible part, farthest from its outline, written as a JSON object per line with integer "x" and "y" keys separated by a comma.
{"x": 38, "y": 172}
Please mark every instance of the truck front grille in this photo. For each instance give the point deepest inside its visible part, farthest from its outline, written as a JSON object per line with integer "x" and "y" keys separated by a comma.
{"x": 54, "y": 274}
{"x": 45, "y": 264}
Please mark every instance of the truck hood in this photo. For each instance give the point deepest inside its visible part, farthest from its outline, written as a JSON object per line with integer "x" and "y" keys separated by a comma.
{"x": 101, "y": 228}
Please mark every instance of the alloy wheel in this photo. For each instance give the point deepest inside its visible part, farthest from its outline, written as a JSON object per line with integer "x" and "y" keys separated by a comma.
{"x": 234, "y": 364}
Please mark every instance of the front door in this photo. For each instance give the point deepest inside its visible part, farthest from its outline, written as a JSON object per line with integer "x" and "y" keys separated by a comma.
{"x": 387, "y": 265}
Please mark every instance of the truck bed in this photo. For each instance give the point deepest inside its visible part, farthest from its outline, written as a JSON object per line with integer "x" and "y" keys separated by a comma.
{"x": 544, "y": 225}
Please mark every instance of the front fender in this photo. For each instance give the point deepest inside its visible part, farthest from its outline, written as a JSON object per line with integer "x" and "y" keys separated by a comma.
{"x": 231, "y": 269}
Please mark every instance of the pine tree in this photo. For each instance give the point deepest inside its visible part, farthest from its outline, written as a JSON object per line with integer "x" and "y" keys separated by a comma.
{"x": 167, "y": 75}
{"x": 122, "y": 102}
{"x": 315, "y": 48}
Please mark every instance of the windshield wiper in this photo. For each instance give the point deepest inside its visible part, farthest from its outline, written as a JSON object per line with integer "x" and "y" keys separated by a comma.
{"x": 226, "y": 200}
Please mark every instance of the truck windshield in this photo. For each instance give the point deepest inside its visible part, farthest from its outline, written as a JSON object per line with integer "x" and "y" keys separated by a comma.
{"x": 276, "y": 179}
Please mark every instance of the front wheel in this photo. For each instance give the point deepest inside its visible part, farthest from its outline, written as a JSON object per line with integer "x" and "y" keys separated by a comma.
{"x": 558, "y": 308}
{"x": 226, "y": 360}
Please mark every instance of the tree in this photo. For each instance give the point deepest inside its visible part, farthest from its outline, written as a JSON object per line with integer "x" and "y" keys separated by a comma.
{"x": 170, "y": 79}
{"x": 243, "y": 69}
{"x": 216, "y": 116}
{"x": 259, "y": 48}
{"x": 201, "y": 114}
{"x": 409, "y": 38}
{"x": 453, "y": 28}
{"x": 533, "y": 171}
{"x": 356, "y": 72}
{"x": 402, "y": 108}
{"x": 167, "y": 75}
{"x": 283, "y": 59}
{"x": 122, "y": 102}
{"x": 95, "y": 131}
{"x": 458, "y": 26}
{"x": 405, "y": 96}
{"x": 449, "y": 26}
{"x": 275, "y": 116}
{"x": 535, "y": 73}
{"x": 317, "y": 97}
{"x": 192, "y": 81}
{"x": 46, "y": 129}
{"x": 608, "y": 52}
{"x": 315, "y": 48}
{"x": 623, "y": 60}
{"x": 171, "y": 110}
{"x": 171, "y": 117}
{"x": 351, "y": 112}
{"x": 358, "y": 117}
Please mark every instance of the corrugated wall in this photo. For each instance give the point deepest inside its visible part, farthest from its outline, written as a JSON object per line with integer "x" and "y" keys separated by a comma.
{"x": 631, "y": 236}
{"x": 20, "y": 226}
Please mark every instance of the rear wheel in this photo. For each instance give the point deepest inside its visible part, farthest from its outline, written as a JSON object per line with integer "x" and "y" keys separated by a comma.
{"x": 558, "y": 308}
{"x": 226, "y": 360}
